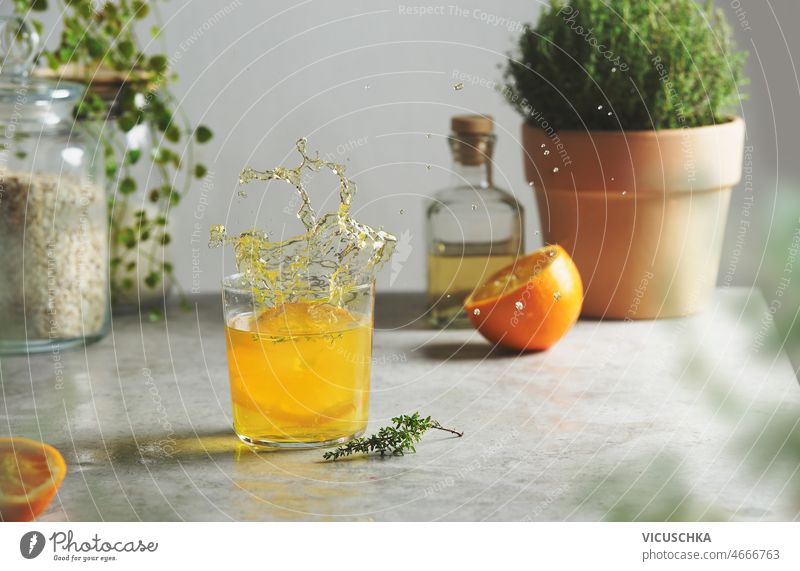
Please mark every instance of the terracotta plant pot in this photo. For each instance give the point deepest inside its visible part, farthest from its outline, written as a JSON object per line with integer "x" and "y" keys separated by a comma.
{"x": 642, "y": 213}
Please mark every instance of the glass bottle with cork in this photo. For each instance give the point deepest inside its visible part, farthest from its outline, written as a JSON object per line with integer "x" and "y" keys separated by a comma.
{"x": 473, "y": 228}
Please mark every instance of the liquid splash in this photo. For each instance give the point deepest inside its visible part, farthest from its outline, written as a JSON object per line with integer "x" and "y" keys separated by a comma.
{"x": 335, "y": 254}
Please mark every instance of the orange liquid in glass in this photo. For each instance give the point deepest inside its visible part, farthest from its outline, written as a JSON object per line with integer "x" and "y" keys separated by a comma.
{"x": 299, "y": 373}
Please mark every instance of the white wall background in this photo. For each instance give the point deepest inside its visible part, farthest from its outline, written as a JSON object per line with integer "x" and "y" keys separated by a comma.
{"x": 367, "y": 81}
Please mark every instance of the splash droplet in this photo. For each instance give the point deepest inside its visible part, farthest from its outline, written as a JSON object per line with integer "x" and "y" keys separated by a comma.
{"x": 612, "y": 179}
{"x": 555, "y": 169}
{"x": 402, "y": 211}
{"x": 624, "y": 192}
{"x": 557, "y": 295}
{"x": 458, "y": 86}
{"x": 599, "y": 107}
{"x": 474, "y": 207}
{"x": 428, "y": 135}
{"x": 476, "y": 311}
{"x": 428, "y": 167}
{"x": 367, "y": 86}
{"x": 543, "y": 145}
{"x": 613, "y": 69}
{"x": 519, "y": 306}
{"x": 609, "y": 113}
{"x": 530, "y": 184}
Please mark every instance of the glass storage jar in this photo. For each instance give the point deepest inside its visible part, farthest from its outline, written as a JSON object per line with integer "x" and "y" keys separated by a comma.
{"x": 53, "y": 217}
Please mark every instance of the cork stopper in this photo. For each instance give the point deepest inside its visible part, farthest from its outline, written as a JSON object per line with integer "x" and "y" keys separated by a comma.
{"x": 473, "y": 138}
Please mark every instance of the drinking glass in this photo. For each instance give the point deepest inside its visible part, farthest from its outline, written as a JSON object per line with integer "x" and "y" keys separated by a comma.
{"x": 299, "y": 371}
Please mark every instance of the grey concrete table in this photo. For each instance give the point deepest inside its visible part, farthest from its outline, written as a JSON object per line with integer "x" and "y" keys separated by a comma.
{"x": 688, "y": 419}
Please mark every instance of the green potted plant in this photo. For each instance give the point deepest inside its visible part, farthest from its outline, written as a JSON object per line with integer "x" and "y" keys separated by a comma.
{"x": 147, "y": 143}
{"x": 628, "y": 146}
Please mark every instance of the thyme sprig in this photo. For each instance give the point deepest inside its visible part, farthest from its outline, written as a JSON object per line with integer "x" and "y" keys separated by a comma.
{"x": 393, "y": 440}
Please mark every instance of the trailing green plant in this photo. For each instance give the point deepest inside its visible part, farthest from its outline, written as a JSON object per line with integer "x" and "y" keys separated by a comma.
{"x": 625, "y": 65}
{"x": 105, "y": 36}
{"x": 393, "y": 440}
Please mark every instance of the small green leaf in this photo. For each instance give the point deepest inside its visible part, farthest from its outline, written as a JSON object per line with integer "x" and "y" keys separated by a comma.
{"x": 152, "y": 279}
{"x": 203, "y": 134}
{"x": 127, "y": 185}
{"x": 133, "y": 156}
{"x": 52, "y": 60}
{"x": 127, "y": 121}
{"x": 140, "y": 9}
{"x": 158, "y": 63}
{"x": 126, "y": 48}
{"x": 173, "y": 133}
{"x": 111, "y": 167}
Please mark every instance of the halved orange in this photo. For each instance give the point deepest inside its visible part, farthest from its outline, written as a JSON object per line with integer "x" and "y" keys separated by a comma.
{"x": 30, "y": 474}
{"x": 531, "y": 304}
